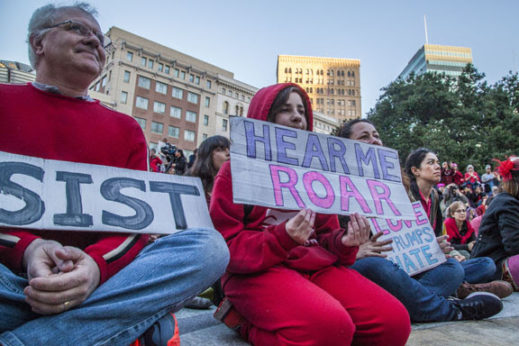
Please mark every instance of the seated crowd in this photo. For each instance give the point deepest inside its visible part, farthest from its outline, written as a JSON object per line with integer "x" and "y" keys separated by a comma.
{"x": 279, "y": 277}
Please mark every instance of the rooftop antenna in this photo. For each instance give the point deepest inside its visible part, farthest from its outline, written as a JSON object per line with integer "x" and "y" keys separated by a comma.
{"x": 425, "y": 25}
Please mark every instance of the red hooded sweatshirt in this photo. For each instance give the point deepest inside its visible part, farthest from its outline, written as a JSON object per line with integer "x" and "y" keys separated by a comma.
{"x": 259, "y": 240}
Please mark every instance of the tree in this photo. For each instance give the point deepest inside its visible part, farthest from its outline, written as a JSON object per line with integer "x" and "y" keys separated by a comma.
{"x": 463, "y": 119}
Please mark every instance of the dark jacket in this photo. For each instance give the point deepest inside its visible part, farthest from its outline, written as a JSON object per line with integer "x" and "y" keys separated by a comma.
{"x": 499, "y": 230}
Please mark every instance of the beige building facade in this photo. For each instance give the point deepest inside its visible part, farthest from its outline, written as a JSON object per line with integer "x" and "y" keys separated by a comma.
{"x": 171, "y": 94}
{"x": 333, "y": 84}
{"x": 13, "y": 72}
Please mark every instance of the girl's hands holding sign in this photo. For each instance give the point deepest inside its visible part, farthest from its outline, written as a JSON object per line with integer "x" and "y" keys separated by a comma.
{"x": 301, "y": 226}
{"x": 358, "y": 231}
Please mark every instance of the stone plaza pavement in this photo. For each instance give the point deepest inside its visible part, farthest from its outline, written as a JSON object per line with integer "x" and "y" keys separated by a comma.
{"x": 198, "y": 327}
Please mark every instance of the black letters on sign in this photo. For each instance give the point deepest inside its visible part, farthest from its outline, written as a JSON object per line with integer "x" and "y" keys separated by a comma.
{"x": 34, "y": 206}
{"x": 111, "y": 191}
{"x": 175, "y": 190}
{"x": 74, "y": 215}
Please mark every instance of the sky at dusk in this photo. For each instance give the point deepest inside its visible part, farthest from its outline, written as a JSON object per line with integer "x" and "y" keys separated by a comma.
{"x": 245, "y": 37}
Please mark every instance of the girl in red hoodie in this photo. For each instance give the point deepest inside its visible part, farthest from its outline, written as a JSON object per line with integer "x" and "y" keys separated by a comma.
{"x": 288, "y": 275}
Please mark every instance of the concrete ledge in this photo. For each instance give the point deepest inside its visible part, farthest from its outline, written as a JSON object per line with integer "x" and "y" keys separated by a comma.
{"x": 198, "y": 327}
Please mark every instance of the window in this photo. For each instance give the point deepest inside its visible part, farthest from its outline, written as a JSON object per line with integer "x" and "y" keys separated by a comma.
{"x": 161, "y": 67}
{"x": 177, "y": 93}
{"x": 191, "y": 78}
{"x": 97, "y": 86}
{"x": 126, "y": 77}
{"x": 224, "y": 124}
{"x": 166, "y": 70}
{"x": 207, "y": 101}
{"x": 189, "y": 136}
{"x": 142, "y": 123}
{"x": 161, "y": 88}
{"x": 206, "y": 120}
{"x": 141, "y": 102}
{"x": 193, "y": 98}
{"x": 129, "y": 56}
{"x": 204, "y": 136}
{"x": 175, "y": 112}
{"x": 124, "y": 97}
{"x": 103, "y": 81}
{"x": 144, "y": 82}
{"x": 157, "y": 127}
{"x": 159, "y": 107}
{"x": 150, "y": 63}
{"x": 154, "y": 145}
{"x": 208, "y": 84}
{"x": 191, "y": 116}
{"x": 226, "y": 107}
{"x": 176, "y": 72}
{"x": 182, "y": 75}
{"x": 173, "y": 131}
{"x": 197, "y": 80}
{"x": 143, "y": 61}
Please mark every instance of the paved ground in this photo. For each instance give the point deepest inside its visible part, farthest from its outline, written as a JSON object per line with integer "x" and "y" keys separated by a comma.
{"x": 197, "y": 327}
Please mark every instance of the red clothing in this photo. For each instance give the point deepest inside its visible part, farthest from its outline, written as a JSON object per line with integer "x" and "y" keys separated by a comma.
{"x": 447, "y": 176}
{"x": 51, "y": 126}
{"x": 458, "y": 178}
{"x": 155, "y": 161}
{"x": 295, "y": 294}
{"x": 455, "y": 236}
{"x": 474, "y": 178}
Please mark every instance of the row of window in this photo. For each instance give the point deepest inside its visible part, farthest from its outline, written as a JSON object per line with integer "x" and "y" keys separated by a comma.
{"x": 160, "y": 107}
{"x": 329, "y": 72}
{"x": 237, "y": 95}
{"x": 161, "y": 88}
{"x": 238, "y": 110}
{"x": 177, "y": 73}
{"x": 331, "y": 91}
{"x": 174, "y": 132}
{"x": 319, "y": 81}
{"x": 331, "y": 102}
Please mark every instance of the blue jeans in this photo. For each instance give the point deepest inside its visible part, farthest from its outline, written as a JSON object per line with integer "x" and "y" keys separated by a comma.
{"x": 164, "y": 275}
{"x": 423, "y": 295}
{"x": 479, "y": 270}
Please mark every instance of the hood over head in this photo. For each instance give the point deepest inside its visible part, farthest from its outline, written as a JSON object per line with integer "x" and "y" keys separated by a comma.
{"x": 262, "y": 102}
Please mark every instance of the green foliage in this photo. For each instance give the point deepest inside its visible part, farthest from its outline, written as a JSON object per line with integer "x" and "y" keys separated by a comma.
{"x": 464, "y": 120}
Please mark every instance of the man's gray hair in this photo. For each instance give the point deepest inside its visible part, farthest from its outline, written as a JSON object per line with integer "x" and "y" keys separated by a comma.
{"x": 46, "y": 16}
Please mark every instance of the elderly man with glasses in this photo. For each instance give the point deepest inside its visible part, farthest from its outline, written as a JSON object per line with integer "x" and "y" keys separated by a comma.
{"x": 85, "y": 288}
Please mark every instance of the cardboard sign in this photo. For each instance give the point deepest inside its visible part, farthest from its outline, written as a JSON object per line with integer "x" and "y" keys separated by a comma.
{"x": 415, "y": 248}
{"x": 284, "y": 168}
{"x": 59, "y": 195}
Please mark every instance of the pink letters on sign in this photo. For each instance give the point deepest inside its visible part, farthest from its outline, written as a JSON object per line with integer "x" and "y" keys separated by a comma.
{"x": 290, "y": 185}
{"x": 394, "y": 227}
{"x": 348, "y": 190}
{"x": 322, "y": 202}
{"x": 379, "y": 196}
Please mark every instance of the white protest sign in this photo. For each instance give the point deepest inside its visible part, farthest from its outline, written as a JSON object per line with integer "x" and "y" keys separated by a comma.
{"x": 415, "y": 248}
{"x": 284, "y": 168}
{"x": 58, "y": 195}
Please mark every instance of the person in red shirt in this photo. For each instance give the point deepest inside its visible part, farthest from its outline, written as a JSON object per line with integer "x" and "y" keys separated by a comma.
{"x": 458, "y": 178}
{"x": 288, "y": 276}
{"x": 155, "y": 161}
{"x": 85, "y": 287}
{"x": 471, "y": 176}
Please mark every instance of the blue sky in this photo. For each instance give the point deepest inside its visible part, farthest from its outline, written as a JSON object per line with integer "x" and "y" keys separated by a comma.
{"x": 246, "y": 36}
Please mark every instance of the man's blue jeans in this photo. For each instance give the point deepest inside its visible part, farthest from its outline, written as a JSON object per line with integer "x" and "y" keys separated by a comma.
{"x": 164, "y": 275}
{"x": 423, "y": 295}
{"x": 479, "y": 270}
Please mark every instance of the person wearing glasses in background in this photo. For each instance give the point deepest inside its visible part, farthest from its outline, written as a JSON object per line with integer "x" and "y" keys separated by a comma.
{"x": 86, "y": 288}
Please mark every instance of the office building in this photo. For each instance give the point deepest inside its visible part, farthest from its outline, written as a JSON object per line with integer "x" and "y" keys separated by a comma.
{"x": 436, "y": 58}
{"x": 333, "y": 84}
{"x": 171, "y": 94}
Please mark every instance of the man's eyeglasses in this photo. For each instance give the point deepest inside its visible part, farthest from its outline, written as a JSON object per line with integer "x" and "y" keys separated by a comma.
{"x": 80, "y": 29}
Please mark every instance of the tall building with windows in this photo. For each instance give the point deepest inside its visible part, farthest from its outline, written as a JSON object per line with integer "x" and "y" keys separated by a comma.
{"x": 436, "y": 58}
{"x": 333, "y": 84}
{"x": 171, "y": 94}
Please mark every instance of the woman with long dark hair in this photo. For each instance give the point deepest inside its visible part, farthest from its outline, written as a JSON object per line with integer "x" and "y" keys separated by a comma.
{"x": 425, "y": 294}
